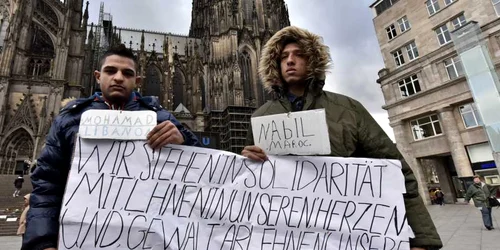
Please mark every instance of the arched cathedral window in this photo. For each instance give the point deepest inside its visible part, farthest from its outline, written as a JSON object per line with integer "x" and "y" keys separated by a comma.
{"x": 41, "y": 44}
{"x": 17, "y": 145}
{"x": 48, "y": 12}
{"x": 246, "y": 75}
{"x": 38, "y": 66}
{"x": 178, "y": 87}
{"x": 152, "y": 86}
{"x": 41, "y": 53}
{"x": 203, "y": 93}
{"x": 2, "y": 33}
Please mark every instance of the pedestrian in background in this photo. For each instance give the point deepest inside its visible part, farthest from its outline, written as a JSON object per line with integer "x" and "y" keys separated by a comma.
{"x": 479, "y": 192}
{"x": 22, "y": 220}
{"x": 18, "y": 184}
{"x": 439, "y": 197}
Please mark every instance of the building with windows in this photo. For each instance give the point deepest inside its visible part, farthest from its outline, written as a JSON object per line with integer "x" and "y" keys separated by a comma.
{"x": 436, "y": 124}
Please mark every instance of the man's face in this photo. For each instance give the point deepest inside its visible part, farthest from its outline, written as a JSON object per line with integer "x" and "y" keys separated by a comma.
{"x": 117, "y": 78}
{"x": 477, "y": 180}
{"x": 293, "y": 64}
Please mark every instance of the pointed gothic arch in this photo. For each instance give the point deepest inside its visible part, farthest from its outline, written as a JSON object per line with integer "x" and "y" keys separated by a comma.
{"x": 179, "y": 81}
{"x": 47, "y": 11}
{"x": 248, "y": 70}
{"x": 154, "y": 81}
{"x": 17, "y": 146}
{"x": 42, "y": 41}
{"x": 24, "y": 116}
{"x": 203, "y": 93}
{"x": 227, "y": 93}
{"x": 41, "y": 52}
{"x": 246, "y": 74}
{"x": 4, "y": 22}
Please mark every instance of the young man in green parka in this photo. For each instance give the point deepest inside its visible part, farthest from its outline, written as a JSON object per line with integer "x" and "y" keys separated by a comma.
{"x": 292, "y": 68}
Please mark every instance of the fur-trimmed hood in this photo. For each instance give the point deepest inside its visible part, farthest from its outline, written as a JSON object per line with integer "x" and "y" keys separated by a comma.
{"x": 65, "y": 101}
{"x": 315, "y": 50}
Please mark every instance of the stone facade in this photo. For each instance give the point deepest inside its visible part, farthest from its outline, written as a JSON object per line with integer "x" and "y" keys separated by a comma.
{"x": 40, "y": 63}
{"x": 49, "y": 51}
{"x": 427, "y": 85}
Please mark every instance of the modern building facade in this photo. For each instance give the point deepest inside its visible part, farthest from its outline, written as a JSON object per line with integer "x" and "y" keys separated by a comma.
{"x": 49, "y": 51}
{"x": 431, "y": 110}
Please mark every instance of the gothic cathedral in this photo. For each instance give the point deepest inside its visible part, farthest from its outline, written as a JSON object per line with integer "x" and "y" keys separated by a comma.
{"x": 49, "y": 50}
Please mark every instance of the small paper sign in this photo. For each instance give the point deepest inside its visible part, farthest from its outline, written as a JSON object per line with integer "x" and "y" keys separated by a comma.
{"x": 297, "y": 133}
{"x": 117, "y": 125}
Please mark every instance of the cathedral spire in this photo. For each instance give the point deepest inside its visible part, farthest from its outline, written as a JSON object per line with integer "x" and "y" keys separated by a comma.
{"x": 196, "y": 48}
{"x": 165, "y": 46}
{"x": 198, "y": 19}
{"x": 142, "y": 41}
{"x": 91, "y": 34}
{"x": 86, "y": 16}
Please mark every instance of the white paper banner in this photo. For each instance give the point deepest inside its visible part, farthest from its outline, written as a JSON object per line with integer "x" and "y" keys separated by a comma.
{"x": 123, "y": 195}
{"x": 116, "y": 124}
{"x": 296, "y": 133}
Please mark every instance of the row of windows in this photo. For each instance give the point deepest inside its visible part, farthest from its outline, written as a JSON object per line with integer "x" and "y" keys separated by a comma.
{"x": 384, "y": 5}
{"x": 411, "y": 85}
{"x": 433, "y": 6}
{"x": 430, "y": 126}
{"x": 443, "y": 36}
{"x": 443, "y": 33}
{"x": 411, "y": 51}
{"x": 403, "y": 25}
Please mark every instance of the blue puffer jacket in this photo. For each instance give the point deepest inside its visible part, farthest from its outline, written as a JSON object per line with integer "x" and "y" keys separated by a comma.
{"x": 53, "y": 165}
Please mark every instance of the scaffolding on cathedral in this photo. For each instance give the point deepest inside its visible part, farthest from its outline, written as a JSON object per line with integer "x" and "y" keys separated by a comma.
{"x": 103, "y": 39}
{"x": 232, "y": 124}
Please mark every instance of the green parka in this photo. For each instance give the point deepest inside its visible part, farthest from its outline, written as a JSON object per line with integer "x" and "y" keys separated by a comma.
{"x": 352, "y": 130}
{"x": 479, "y": 194}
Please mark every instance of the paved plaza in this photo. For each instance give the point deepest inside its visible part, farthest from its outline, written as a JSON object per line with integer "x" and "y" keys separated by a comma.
{"x": 460, "y": 227}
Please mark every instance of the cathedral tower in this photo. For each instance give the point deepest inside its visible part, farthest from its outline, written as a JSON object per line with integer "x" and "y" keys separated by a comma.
{"x": 233, "y": 33}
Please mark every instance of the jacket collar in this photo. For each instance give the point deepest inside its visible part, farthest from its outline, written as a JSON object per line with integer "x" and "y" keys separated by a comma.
{"x": 134, "y": 96}
{"x": 313, "y": 90}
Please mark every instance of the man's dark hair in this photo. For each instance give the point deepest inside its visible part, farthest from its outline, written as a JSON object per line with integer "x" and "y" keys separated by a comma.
{"x": 287, "y": 40}
{"x": 119, "y": 50}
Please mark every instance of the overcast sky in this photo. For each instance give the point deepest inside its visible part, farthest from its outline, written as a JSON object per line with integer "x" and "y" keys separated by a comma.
{"x": 346, "y": 26}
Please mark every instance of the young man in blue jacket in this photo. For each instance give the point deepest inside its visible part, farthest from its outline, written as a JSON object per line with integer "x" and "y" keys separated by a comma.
{"x": 117, "y": 78}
